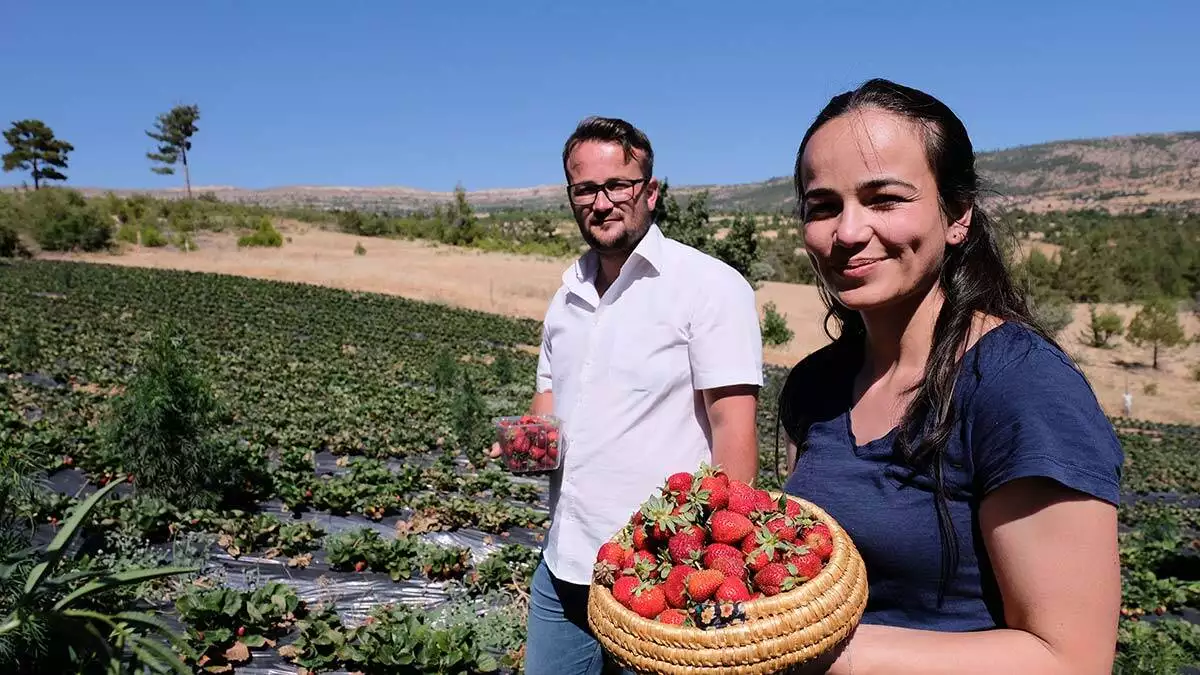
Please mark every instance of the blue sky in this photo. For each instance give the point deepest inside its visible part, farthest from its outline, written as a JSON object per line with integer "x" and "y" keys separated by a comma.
{"x": 484, "y": 93}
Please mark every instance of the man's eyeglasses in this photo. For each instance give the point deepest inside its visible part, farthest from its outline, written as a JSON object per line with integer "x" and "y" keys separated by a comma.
{"x": 617, "y": 190}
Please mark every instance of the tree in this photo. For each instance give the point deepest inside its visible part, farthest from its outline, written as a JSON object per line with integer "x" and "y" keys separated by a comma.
{"x": 687, "y": 226}
{"x": 1103, "y": 327}
{"x": 174, "y": 135}
{"x": 1156, "y": 324}
{"x": 775, "y": 330}
{"x": 35, "y": 149}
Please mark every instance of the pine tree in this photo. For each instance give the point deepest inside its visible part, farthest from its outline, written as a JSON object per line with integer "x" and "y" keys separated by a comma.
{"x": 35, "y": 149}
{"x": 1156, "y": 324}
{"x": 174, "y": 134}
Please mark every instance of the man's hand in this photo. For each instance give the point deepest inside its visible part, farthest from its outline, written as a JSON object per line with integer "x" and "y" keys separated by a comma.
{"x": 732, "y": 415}
{"x": 542, "y": 404}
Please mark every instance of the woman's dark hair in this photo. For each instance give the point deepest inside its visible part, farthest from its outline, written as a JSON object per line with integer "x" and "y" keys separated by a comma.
{"x": 973, "y": 278}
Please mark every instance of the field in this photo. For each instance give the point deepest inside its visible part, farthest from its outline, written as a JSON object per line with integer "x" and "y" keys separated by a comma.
{"x": 361, "y": 524}
{"x": 520, "y": 285}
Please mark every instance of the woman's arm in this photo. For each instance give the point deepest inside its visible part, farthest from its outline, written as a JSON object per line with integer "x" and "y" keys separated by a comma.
{"x": 1054, "y": 553}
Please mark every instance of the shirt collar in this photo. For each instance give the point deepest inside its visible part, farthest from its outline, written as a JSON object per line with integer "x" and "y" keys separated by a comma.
{"x": 580, "y": 278}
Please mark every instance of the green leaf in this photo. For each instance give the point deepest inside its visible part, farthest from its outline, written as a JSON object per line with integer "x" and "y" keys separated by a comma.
{"x": 122, "y": 579}
{"x": 57, "y": 546}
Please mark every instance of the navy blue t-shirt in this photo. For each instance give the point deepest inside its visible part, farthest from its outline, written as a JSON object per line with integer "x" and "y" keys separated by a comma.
{"x": 1023, "y": 410}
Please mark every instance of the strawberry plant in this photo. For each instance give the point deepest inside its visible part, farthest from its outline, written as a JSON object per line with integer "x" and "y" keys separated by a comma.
{"x": 321, "y": 642}
{"x": 444, "y": 562}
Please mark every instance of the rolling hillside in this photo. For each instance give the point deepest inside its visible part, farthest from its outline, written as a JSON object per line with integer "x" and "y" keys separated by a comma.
{"x": 1117, "y": 174}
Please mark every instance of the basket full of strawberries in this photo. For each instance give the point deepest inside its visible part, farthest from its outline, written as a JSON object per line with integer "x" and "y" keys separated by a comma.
{"x": 714, "y": 575}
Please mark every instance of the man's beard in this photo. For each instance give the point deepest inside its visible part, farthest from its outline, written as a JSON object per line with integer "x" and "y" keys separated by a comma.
{"x": 624, "y": 243}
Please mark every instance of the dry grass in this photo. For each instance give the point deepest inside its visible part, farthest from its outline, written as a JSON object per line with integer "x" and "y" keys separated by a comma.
{"x": 521, "y": 286}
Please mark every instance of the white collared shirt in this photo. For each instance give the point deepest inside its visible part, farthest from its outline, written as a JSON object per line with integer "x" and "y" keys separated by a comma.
{"x": 626, "y": 372}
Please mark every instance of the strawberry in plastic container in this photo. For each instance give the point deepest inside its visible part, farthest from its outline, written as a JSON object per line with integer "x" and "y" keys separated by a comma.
{"x": 529, "y": 443}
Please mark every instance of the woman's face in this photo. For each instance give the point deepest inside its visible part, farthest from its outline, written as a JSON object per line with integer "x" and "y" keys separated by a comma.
{"x": 872, "y": 220}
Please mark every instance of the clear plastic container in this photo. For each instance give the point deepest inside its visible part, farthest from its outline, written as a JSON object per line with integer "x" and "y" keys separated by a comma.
{"x": 530, "y": 443}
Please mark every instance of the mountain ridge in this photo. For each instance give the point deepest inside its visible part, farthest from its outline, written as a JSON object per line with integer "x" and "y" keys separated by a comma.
{"x": 1113, "y": 173}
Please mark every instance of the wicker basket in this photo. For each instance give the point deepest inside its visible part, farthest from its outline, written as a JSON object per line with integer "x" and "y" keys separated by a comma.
{"x": 775, "y": 632}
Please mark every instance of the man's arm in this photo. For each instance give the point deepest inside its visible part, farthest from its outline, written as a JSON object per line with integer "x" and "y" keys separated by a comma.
{"x": 732, "y": 415}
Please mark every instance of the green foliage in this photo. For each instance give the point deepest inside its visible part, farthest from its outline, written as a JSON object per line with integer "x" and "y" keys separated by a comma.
{"x": 35, "y": 149}
{"x": 1103, "y": 327}
{"x": 59, "y": 622}
{"x": 162, "y": 425}
{"x": 1156, "y": 324}
{"x": 174, "y": 130}
{"x": 25, "y": 347}
{"x": 10, "y": 242}
{"x": 460, "y": 225}
{"x": 1107, "y": 258}
{"x": 739, "y": 249}
{"x": 59, "y": 219}
{"x": 503, "y": 367}
{"x": 774, "y": 327}
{"x": 359, "y": 249}
{"x": 264, "y": 234}
{"x": 688, "y": 226}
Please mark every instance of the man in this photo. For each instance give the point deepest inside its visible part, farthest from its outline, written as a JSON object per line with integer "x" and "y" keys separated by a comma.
{"x": 651, "y": 356}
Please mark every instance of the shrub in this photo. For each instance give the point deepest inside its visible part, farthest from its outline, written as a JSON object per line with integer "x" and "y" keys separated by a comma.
{"x": 264, "y": 234}
{"x": 358, "y": 249}
{"x": 1103, "y": 327}
{"x": 10, "y": 244}
{"x": 162, "y": 425}
{"x": 774, "y": 327}
{"x": 62, "y": 220}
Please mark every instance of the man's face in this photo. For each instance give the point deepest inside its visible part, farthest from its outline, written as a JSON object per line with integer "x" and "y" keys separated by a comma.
{"x": 606, "y": 226}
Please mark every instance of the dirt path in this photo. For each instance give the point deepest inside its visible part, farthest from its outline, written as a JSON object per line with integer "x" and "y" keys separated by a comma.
{"x": 521, "y": 286}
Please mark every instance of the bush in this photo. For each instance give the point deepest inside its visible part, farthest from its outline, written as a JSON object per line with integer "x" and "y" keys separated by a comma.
{"x": 1052, "y": 312}
{"x": 62, "y": 220}
{"x": 162, "y": 426}
{"x": 1103, "y": 327}
{"x": 359, "y": 249}
{"x": 264, "y": 235}
{"x": 10, "y": 244}
{"x": 775, "y": 330}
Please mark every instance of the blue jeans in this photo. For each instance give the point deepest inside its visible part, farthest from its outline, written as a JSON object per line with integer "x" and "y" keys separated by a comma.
{"x": 559, "y": 641}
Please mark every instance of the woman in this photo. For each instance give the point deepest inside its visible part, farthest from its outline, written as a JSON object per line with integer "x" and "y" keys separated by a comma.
{"x": 957, "y": 444}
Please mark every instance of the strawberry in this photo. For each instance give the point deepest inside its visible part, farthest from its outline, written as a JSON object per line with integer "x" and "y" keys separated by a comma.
{"x": 648, "y": 600}
{"x": 609, "y": 560}
{"x": 729, "y": 527}
{"x": 622, "y": 589}
{"x": 662, "y": 518}
{"x": 792, "y": 509}
{"x": 725, "y": 558}
{"x": 776, "y": 578}
{"x": 761, "y": 547}
{"x": 679, "y": 485}
{"x": 771, "y": 577}
{"x": 675, "y": 617}
{"x": 742, "y": 498}
{"x": 713, "y": 492}
{"x": 360, "y": 566}
{"x": 673, "y": 587}
{"x": 818, "y": 540}
{"x": 687, "y": 545}
{"x": 763, "y": 502}
{"x": 701, "y": 584}
{"x": 645, "y": 566}
{"x": 639, "y": 538}
{"x": 241, "y": 631}
{"x": 732, "y": 589}
{"x": 807, "y": 563}
{"x": 782, "y": 528}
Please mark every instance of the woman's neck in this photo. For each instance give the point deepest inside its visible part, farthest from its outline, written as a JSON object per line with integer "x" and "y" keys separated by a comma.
{"x": 899, "y": 337}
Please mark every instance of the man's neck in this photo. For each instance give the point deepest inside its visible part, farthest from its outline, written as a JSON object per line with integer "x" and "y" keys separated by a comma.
{"x": 608, "y": 270}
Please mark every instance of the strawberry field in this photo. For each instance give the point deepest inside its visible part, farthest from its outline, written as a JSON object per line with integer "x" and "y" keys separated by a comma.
{"x": 343, "y": 517}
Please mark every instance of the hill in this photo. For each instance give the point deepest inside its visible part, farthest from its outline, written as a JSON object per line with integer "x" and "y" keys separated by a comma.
{"x": 1115, "y": 174}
